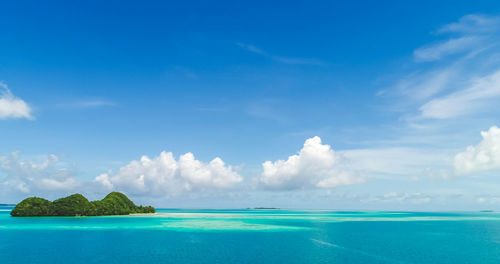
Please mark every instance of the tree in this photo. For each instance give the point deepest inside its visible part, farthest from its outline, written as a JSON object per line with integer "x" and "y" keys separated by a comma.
{"x": 72, "y": 205}
{"x": 114, "y": 203}
{"x": 33, "y": 206}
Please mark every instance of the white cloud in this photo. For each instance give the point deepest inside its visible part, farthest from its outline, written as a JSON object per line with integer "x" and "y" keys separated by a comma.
{"x": 12, "y": 107}
{"x": 339, "y": 178}
{"x": 94, "y": 103}
{"x": 268, "y": 109}
{"x": 164, "y": 176}
{"x": 58, "y": 184}
{"x": 297, "y": 61}
{"x": 103, "y": 180}
{"x": 316, "y": 165}
{"x": 442, "y": 49}
{"x": 459, "y": 86}
{"x": 481, "y": 157}
{"x": 409, "y": 163}
{"x": 471, "y": 99}
{"x": 424, "y": 85}
{"x": 396, "y": 197}
{"x": 474, "y": 33}
{"x": 472, "y": 24}
{"x": 252, "y": 48}
{"x": 26, "y": 176}
{"x": 488, "y": 199}
{"x": 285, "y": 60}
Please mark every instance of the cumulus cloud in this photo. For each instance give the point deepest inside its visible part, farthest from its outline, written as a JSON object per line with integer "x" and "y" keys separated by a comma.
{"x": 166, "y": 176}
{"x": 104, "y": 181}
{"x": 11, "y": 106}
{"x": 27, "y": 176}
{"x": 481, "y": 157}
{"x": 316, "y": 165}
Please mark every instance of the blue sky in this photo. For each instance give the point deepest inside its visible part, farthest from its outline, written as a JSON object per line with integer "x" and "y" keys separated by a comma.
{"x": 296, "y": 105}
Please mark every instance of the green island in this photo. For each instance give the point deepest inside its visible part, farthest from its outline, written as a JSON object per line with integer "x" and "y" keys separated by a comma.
{"x": 115, "y": 203}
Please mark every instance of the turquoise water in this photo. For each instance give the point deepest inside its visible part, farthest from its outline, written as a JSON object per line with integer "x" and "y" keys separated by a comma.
{"x": 253, "y": 236}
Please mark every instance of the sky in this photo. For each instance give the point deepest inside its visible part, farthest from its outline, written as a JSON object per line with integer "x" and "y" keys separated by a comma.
{"x": 359, "y": 105}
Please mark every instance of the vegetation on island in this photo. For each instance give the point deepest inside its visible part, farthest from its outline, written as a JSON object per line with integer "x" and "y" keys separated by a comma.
{"x": 114, "y": 203}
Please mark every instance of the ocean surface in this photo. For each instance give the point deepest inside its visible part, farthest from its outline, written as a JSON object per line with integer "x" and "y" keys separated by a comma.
{"x": 253, "y": 236}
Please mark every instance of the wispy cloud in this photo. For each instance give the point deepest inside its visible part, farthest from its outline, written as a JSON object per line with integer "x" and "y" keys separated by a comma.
{"x": 488, "y": 199}
{"x": 452, "y": 46}
{"x": 474, "y": 32}
{"x": 476, "y": 97}
{"x": 473, "y": 23}
{"x": 281, "y": 59}
{"x": 453, "y": 87}
{"x": 11, "y": 106}
{"x": 93, "y": 103}
{"x": 267, "y": 109}
{"x": 441, "y": 103}
{"x": 213, "y": 109}
{"x": 415, "y": 198}
{"x": 419, "y": 86}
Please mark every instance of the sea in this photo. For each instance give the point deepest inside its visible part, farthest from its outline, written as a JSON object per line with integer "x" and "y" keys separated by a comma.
{"x": 253, "y": 236}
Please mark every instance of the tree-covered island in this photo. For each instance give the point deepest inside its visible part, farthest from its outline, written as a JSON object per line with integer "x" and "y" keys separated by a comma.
{"x": 114, "y": 203}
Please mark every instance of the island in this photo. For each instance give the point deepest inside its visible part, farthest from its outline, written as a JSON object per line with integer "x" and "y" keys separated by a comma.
{"x": 115, "y": 203}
